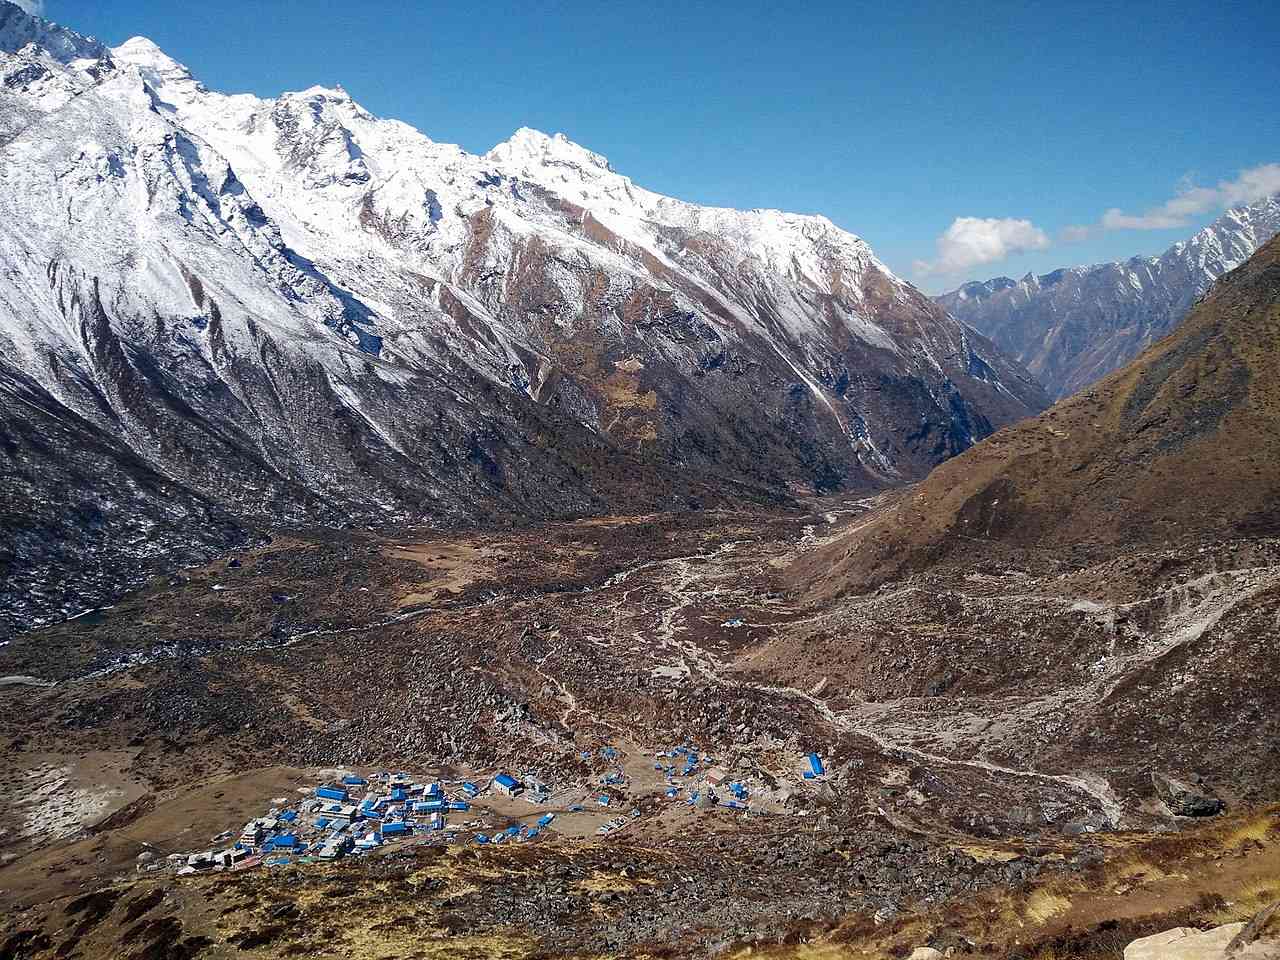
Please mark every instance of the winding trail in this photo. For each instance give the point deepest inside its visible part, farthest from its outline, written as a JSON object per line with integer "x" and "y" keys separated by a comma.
{"x": 680, "y": 588}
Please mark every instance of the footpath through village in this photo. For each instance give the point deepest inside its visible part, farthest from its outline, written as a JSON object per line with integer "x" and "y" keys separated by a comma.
{"x": 356, "y": 814}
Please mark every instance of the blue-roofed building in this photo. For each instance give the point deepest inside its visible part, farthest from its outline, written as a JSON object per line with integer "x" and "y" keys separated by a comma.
{"x": 507, "y": 785}
{"x": 482, "y": 838}
{"x": 354, "y": 781}
{"x": 546, "y": 819}
{"x": 470, "y": 788}
{"x": 331, "y": 793}
{"x": 815, "y": 765}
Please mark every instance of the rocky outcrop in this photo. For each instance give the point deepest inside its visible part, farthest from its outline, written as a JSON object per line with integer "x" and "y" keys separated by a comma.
{"x": 1183, "y": 799}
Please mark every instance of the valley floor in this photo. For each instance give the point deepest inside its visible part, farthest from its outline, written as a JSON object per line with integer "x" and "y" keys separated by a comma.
{"x": 989, "y": 733}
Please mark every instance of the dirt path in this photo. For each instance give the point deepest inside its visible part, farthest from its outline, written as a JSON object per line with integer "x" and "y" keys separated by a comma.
{"x": 684, "y": 583}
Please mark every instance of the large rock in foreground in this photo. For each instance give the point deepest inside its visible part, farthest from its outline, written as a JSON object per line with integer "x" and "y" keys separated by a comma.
{"x": 1183, "y": 799}
{"x": 1259, "y": 939}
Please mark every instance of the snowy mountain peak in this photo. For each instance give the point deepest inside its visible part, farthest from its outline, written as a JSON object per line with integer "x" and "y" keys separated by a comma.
{"x": 1076, "y": 324}
{"x": 529, "y": 145}
{"x": 19, "y": 28}
{"x": 144, "y": 53}
{"x": 292, "y": 308}
{"x": 334, "y": 94}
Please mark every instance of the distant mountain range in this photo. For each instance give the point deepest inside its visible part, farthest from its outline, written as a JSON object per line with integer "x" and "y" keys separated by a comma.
{"x": 1073, "y": 326}
{"x": 221, "y": 313}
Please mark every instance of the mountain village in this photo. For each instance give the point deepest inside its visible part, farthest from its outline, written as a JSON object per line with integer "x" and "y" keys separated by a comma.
{"x": 359, "y": 814}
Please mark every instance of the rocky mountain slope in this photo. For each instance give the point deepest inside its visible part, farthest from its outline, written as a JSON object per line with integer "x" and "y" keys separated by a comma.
{"x": 220, "y": 313}
{"x": 1182, "y": 443}
{"x": 1073, "y": 326}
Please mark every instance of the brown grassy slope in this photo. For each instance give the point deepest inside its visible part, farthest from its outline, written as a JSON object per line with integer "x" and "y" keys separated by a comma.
{"x": 1184, "y": 441}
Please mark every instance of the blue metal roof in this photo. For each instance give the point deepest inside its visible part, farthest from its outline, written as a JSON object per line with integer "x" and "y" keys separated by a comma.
{"x": 506, "y": 780}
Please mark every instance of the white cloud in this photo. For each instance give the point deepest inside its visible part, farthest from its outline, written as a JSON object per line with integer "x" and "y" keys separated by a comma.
{"x": 970, "y": 241}
{"x": 1253, "y": 184}
{"x": 35, "y": 7}
{"x": 1191, "y": 200}
{"x": 1117, "y": 219}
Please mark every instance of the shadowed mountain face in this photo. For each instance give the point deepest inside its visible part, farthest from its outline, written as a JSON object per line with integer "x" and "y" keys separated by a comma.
{"x": 1074, "y": 326}
{"x": 1182, "y": 443}
{"x": 264, "y": 312}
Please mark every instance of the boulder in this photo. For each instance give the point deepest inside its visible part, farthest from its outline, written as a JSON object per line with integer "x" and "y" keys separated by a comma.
{"x": 925, "y": 953}
{"x": 1184, "y": 943}
{"x": 1184, "y": 799}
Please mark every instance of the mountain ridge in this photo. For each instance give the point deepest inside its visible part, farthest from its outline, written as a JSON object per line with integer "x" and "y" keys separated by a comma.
{"x": 1112, "y": 465}
{"x": 284, "y": 302}
{"x": 1074, "y": 325}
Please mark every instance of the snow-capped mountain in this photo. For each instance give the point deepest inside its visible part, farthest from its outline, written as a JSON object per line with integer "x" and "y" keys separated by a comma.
{"x": 1071, "y": 327}
{"x": 250, "y": 311}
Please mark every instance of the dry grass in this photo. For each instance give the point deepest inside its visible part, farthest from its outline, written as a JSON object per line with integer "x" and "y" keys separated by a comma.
{"x": 1043, "y": 905}
{"x": 1222, "y": 873}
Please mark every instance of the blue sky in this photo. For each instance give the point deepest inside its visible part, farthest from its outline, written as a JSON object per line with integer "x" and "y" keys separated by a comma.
{"x": 1024, "y": 120}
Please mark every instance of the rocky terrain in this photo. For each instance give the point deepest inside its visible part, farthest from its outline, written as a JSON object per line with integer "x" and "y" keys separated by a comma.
{"x": 1073, "y": 326}
{"x": 1005, "y": 743}
{"x": 254, "y": 312}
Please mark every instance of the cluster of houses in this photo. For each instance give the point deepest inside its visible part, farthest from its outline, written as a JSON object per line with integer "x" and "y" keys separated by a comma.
{"x": 358, "y": 815}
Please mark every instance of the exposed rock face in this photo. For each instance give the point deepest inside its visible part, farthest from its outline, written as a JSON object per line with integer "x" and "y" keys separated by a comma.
{"x": 289, "y": 311}
{"x": 1074, "y": 326}
{"x": 1183, "y": 799}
